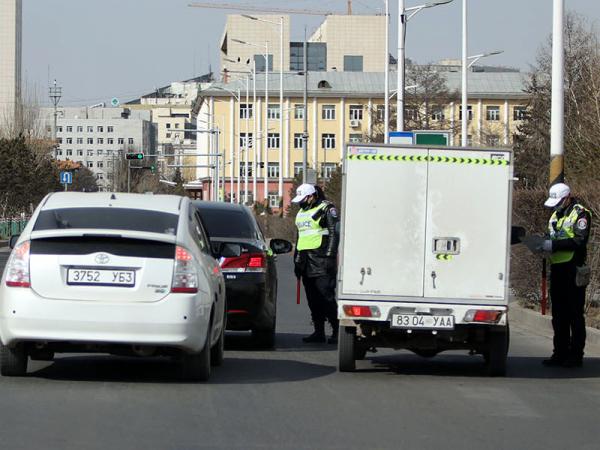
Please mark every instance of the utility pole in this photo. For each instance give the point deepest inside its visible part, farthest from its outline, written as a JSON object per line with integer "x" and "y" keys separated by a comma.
{"x": 305, "y": 131}
{"x": 465, "y": 86}
{"x": 557, "y": 169}
{"x": 55, "y": 96}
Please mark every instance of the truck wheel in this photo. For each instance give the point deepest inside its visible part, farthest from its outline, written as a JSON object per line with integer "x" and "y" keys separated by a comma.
{"x": 346, "y": 349}
{"x": 497, "y": 352}
{"x": 196, "y": 367}
{"x": 13, "y": 361}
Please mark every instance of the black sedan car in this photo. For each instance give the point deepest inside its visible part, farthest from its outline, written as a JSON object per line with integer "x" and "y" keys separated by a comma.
{"x": 251, "y": 278}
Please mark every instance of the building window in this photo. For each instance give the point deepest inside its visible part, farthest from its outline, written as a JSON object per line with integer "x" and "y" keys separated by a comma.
{"x": 177, "y": 125}
{"x": 247, "y": 166}
{"x": 100, "y": 176}
{"x": 109, "y": 152}
{"x": 69, "y": 152}
{"x": 492, "y": 140}
{"x": 519, "y": 112}
{"x": 59, "y": 140}
{"x": 328, "y": 141}
{"x": 130, "y": 141}
{"x": 246, "y": 140}
{"x": 100, "y": 129}
{"x": 59, "y": 129}
{"x": 90, "y": 129}
{"x": 273, "y": 170}
{"x": 90, "y": 152}
{"x": 90, "y": 141}
{"x": 58, "y": 152}
{"x": 80, "y": 129}
{"x": 353, "y": 63}
{"x": 492, "y": 113}
{"x": 246, "y": 110}
{"x": 120, "y": 141}
{"x": 380, "y": 112}
{"x": 100, "y": 164}
{"x": 273, "y": 200}
{"x": 110, "y": 129}
{"x": 101, "y": 141}
{"x": 79, "y": 152}
{"x": 297, "y": 169}
{"x": 273, "y": 140}
{"x": 355, "y": 138}
{"x": 260, "y": 62}
{"x": 410, "y": 113}
{"x": 298, "y": 141}
{"x": 69, "y": 129}
{"x": 69, "y": 140}
{"x": 168, "y": 125}
{"x": 90, "y": 164}
{"x": 327, "y": 169}
{"x": 469, "y": 113}
{"x": 437, "y": 113}
{"x": 299, "y": 112}
{"x": 49, "y": 129}
{"x": 273, "y": 112}
{"x": 328, "y": 112}
{"x": 356, "y": 112}
{"x": 99, "y": 152}
{"x": 168, "y": 135}
{"x": 110, "y": 141}
{"x": 80, "y": 140}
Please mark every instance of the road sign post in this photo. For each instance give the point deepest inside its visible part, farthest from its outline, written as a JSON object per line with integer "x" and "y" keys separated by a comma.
{"x": 66, "y": 178}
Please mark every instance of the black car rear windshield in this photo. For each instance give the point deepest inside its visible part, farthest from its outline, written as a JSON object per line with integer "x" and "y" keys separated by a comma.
{"x": 108, "y": 219}
{"x": 228, "y": 223}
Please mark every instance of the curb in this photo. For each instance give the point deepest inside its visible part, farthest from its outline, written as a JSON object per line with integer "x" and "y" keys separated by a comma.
{"x": 543, "y": 324}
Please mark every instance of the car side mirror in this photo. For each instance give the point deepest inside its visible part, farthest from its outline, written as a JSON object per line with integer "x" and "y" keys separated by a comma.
{"x": 229, "y": 250}
{"x": 280, "y": 246}
{"x": 516, "y": 234}
{"x": 12, "y": 241}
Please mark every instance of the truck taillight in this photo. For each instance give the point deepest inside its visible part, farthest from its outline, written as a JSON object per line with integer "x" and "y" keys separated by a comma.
{"x": 361, "y": 311}
{"x": 483, "y": 315}
{"x": 185, "y": 278}
{"x": 247, "y": 262}
{"x": 17, "y": 268}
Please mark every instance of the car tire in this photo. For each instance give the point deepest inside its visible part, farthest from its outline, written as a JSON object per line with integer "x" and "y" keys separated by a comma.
{"x": 13, "y": 361}
{"x": 264, "y": 339}
{"x": 347, "y": 349}
{"x": 497, "y": 352}
{"x": 217, "y": 352}
{"x": 196, "y": 367}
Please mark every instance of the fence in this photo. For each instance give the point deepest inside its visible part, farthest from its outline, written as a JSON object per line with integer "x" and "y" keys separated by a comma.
{"x": 10, "y": 226}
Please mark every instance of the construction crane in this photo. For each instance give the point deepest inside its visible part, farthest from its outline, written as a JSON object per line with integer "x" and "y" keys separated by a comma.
{"x": 267, "y": 9}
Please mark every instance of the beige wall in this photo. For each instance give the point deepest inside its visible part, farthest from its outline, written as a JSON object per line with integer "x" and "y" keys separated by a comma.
{"x": 255, "y": 32}
{"x": 353, "y": 35}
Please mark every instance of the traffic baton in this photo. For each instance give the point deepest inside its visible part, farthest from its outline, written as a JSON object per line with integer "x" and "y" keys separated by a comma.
{"x": 297, "y": 291}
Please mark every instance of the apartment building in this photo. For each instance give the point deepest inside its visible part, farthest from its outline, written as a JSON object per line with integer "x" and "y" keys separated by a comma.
{"x": 343, "y": 107}
{"x": 98, "y": 137}
{"x": 10, "y": 59}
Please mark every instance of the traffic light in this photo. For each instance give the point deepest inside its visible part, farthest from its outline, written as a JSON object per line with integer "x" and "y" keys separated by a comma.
{"x": 134, "y": 156}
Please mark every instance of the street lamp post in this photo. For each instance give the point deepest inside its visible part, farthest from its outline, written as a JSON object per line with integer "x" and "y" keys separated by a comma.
{"x": 386, "y": 113}
{"x": 466, "y": 65}
{"x": 404, "y": 15}
{"x": 557, "y": 133}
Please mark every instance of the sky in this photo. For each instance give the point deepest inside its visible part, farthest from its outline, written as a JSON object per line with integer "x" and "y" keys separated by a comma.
{"x": 101, "y": 49}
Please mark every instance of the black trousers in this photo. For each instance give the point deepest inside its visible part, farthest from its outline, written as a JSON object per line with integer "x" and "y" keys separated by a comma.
{"x": 568, "y": 304}
{"x": 320, "y": 293}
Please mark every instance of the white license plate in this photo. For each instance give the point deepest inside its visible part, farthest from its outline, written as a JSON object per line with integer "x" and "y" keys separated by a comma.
{"x": 415, "y": 321}
{"x": 101, "y": 277}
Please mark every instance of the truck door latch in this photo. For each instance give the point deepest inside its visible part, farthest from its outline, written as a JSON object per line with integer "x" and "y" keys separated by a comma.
{"x": 362, "y": 273}
{"x": 433, "y": 277}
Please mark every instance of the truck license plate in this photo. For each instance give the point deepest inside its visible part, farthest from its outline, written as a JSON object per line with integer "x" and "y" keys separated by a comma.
{"x": 413, "y": 321}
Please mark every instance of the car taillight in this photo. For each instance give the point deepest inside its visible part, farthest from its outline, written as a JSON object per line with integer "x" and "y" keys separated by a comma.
{"x": 17, "y": 268}
{"x": 483, "y": 316}
{"x": 185, "y": 278}
{"x": 247, "y": 262}
{"x": 361, "y": 311}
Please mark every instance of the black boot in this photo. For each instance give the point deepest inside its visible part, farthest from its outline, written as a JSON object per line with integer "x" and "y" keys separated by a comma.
{"x": 318, "y": 336}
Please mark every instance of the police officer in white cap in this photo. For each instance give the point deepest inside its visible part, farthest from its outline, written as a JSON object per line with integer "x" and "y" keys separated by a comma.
{"x": 315, "y": 260}
{"x": 568, "y": 233}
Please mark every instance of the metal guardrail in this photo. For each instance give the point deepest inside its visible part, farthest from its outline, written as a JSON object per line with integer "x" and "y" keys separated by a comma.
{"x": 11, "y": 226}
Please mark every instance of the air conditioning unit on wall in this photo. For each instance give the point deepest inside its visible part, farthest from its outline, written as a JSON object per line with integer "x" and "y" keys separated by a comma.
{"x": 354, "y": 123}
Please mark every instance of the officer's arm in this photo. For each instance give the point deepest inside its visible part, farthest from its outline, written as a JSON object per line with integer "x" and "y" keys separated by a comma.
{"x": 581, "y": 229}
{"x": 331, "y": 220}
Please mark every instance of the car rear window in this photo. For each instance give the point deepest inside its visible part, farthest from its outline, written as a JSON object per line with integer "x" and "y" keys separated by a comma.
{"x": 108, "y": 219}
{"x": 228, "y": 223}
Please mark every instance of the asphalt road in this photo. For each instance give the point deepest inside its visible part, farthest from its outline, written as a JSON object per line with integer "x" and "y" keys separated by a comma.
{"x": 293, "y": 398}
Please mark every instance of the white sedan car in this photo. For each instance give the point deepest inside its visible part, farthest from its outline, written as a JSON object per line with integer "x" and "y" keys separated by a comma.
{"x": 125, "y": 274}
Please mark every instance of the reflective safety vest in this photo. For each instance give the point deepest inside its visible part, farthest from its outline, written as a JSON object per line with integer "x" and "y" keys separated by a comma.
{"x": 310, "y": 232}
{"x": 563, "y": 228}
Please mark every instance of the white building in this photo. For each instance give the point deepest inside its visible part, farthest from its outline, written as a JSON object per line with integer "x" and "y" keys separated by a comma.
{"x": 10, "y": 59}
{"x": 98, "y": 137}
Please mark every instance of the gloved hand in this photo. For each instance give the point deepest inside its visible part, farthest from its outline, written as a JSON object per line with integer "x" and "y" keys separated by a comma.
{"x": 544, "y": 246}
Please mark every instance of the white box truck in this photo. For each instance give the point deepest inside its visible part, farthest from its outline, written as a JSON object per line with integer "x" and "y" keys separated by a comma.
{"x": 424, "y": 252}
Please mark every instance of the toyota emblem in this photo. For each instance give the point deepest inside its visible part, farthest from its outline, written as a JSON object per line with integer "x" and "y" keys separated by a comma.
{"x": 102, "y": 258}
